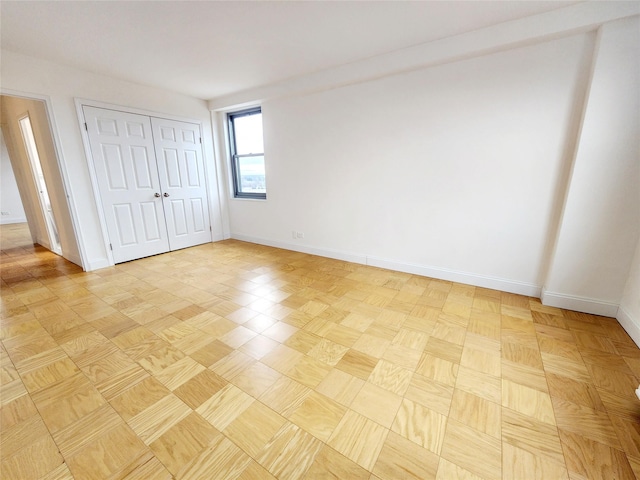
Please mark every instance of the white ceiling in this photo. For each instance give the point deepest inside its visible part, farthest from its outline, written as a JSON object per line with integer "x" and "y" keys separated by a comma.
{"x": 209, "y": 49}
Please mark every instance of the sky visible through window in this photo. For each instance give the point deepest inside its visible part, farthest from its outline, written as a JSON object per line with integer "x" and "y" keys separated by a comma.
{"x": 249, "y": 140}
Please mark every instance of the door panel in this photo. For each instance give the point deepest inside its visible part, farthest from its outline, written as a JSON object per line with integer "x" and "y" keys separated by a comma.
{"x": 149, "y": 212}
{"x": 114, "y": 166}
{"x": 198, "y": 209}
{"x": 193, "y": 170}
{"x": 172, "y": 168}
{"x": 181, "y": 171}
{"x": 124, "y": 223}
{"x": 106, "y": 127}
{"x": 126, "y": 169}
{"x": 179, "y": 217}
{"x": 142, "y": 167}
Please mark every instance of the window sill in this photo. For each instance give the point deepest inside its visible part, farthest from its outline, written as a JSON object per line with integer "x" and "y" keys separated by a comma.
{"x": 249, "y": 199}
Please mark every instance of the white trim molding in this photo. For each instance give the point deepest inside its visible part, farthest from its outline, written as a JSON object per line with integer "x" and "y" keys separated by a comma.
{"x": 505, "y": 285}
{"x": 552, "y": 299}
{"x": 484, "y": 281}
{"x": 98, "y": 263}
{"x": 579, "y": 304}
{"x": 321, "y": 252}
{"x": 11, "y": 220}
{"x": 630, "y": 325}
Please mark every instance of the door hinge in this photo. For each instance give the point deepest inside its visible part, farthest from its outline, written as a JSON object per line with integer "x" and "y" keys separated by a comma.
{"x": 200, "y": 139}
{"x": 111, "y": 247}
{"x": 86, "y": 127}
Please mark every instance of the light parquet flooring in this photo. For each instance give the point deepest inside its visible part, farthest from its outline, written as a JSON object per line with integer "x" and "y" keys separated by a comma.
{"x": 239, "y": 361}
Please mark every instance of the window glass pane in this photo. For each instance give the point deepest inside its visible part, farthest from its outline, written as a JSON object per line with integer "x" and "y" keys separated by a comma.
{"x": 248, "y": 130}
{"x": 251, "y": 173}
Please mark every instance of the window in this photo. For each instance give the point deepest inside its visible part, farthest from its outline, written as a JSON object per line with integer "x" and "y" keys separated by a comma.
{"x": 247, "y": 153}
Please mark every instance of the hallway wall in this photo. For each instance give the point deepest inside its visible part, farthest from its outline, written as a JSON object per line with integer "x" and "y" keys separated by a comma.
{"x": 10, "y": 202}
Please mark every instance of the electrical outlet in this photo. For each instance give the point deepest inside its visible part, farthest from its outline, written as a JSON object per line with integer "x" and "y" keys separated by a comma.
{"x": 5, "y": 213}
{"x": 294, "y": 234}
{"x": 300, "y": 235}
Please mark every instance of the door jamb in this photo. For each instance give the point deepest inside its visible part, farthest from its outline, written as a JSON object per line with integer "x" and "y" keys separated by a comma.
{"x": 35, "y": 163}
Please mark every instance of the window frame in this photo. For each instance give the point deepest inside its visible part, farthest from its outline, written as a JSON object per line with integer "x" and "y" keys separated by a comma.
{"x": 235, "y": 158}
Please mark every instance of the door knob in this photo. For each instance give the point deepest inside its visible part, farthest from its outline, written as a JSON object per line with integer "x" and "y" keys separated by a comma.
{"x": 156, "y": 194}
{"x": 166, "y": 194}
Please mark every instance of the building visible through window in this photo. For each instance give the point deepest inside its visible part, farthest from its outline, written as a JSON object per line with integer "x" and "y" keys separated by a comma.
{"x": 247, "y": 154}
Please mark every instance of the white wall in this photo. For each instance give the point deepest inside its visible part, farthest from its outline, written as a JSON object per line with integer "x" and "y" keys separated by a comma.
{"x": 629, "y": 311}
{"x": 601, "y": 219}
{"x": 62, "y": 85}
{"x": 455, "y": 171}
{"x": 10, "y": 202}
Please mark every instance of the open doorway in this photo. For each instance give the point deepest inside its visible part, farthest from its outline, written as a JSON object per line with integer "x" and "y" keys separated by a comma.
{"x": 33, "y": 158}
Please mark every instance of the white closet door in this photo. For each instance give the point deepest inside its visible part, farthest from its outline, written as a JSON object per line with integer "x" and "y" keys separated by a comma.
{"x": 125, "y": 163}
{"x": 181, "y": 171}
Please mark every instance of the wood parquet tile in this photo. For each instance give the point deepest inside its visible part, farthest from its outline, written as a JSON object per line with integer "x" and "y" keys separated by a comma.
{"x": 239, "y": 361}
{"x": 243, "y": 429}
{"x": 401, "y": 458}
{"x": 472, "y": 450}
{"x": 518, "y": 464}
{"x": 331, "y": 465}
{"x": 531, "y": 435}
{"x": 359, "y": 439}
{"x": 318, "y": 415}
{"x": 420, "y": 425}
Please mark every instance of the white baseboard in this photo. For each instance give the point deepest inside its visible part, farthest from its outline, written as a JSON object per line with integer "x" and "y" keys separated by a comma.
{"x": 502, "y": 284}
{"x": 495, "y": 283}
{"x": 579, "y": 304}
{"x": 321, "y": 252}
{"x": 9, "y": 221}
{"x": 97, "y": 264}
{"x": 631, "y": 326}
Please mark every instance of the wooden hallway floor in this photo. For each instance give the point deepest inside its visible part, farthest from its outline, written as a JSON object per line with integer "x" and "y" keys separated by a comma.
{"x": 238, "y": 361}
